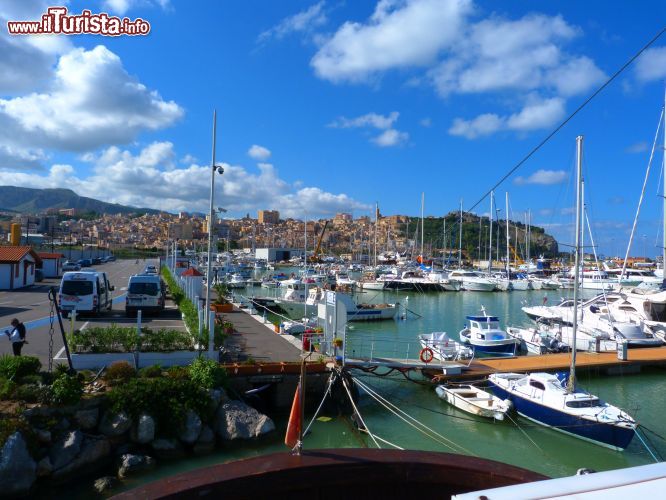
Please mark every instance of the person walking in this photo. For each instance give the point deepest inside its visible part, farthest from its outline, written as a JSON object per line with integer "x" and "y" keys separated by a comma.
{"x": 17, "y": 336}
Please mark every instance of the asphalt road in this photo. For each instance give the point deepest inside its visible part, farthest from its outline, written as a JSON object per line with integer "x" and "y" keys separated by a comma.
{"x": 32, "y": 306}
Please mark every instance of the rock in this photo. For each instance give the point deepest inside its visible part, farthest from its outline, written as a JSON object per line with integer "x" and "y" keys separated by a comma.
{"x": 167, "y": 448}
{"x": 105, "y": 483}
{"x": 217, "y": 396}
{"x": 131, "y": 464}
{"x": 206, "y": 441}
{"x": 43, "y": 436}
{"x": 236, "y": 420}
{"x": 44, "y": 467}
{"x": 191, "y": 428}
{"x": 66, "y": 449}
{"x": 17, "y": 468}
{"x": 113, "y": 425}
{"x": 63, "y": 424}
{"x": 144, "y": 430}
{"x": 87, "y": 419}
{"x": 94, "y": 454}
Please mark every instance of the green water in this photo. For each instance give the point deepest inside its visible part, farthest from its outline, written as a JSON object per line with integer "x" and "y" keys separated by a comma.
{"x": 531, "y": 446}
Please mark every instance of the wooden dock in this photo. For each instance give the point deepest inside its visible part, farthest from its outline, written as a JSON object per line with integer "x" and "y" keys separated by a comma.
{"x": 481, "y": 368}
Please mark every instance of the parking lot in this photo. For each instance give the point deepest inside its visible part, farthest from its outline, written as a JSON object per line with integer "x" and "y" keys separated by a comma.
{"x": 32, "y": 306}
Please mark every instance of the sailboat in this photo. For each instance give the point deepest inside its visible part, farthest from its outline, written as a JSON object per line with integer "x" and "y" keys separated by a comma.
{"x": 555, "y": 401}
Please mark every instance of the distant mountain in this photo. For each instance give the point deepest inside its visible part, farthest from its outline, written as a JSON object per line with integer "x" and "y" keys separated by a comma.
{"x": 28, "y": 200}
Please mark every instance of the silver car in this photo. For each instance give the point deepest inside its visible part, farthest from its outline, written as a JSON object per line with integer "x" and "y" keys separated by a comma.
{"x": 71, "y": 266}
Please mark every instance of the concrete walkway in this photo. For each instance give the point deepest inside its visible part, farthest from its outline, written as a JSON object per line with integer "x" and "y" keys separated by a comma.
{"x": 258, "y": 340}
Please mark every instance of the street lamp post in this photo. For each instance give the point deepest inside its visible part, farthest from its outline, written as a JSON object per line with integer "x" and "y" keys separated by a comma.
{"x": 211, "y": 221}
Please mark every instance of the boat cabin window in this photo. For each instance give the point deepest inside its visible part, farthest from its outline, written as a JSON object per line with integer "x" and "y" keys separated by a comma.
{"x": 657, "y": 311}
{"x": 537, "y": 385}
{"x": 584, "y": 403}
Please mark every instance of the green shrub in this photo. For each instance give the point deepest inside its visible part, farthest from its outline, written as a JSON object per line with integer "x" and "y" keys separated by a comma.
{"x": 178, "y": 373}
{"x": 66, "y": 390}
{"x": 185, "y": 306}
{"x": 32, "y": 393}
{"x": 153, "y": 371}
{"x": 34, "y": 379}
{"x": 14, "y": 367}
{"x": 60, "y": 369}
{"x": 7, "y": 388}
{"x": 207, "y": 373}
{"x": 165, "y": 399}
{"x": 116, "y": 338}
{"x": 119, "y": 372}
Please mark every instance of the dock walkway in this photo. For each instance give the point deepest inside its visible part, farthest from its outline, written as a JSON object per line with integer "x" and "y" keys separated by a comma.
{"x": 481, "y": 368}
{"x": 258, "y": 340}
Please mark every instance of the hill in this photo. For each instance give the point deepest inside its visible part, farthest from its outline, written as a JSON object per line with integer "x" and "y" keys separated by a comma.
{"x": 28, "y": 200}
{"x": 540, "y": 242}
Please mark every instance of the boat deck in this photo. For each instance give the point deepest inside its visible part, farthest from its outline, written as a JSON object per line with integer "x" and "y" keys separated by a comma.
{"x": 481, "y": 368}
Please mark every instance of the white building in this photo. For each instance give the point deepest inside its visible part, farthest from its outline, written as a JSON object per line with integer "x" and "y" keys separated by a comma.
{"x": 51, "y": 264}
{"x": 17, "y": 267}
{"x": 278, "y": 254}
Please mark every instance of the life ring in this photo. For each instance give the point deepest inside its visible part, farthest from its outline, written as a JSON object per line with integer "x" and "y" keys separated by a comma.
{"x": 426, "y": 355}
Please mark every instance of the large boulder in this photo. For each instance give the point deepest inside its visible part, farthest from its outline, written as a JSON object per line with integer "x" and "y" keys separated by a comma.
{"x": 236, "y": 420}
{"x": 115, "y": 424}
{"x": 131, "y": 464}
{"x": 206, "y": 441}
{"x": 144, "y": 430}
{"x": 65, "y": 449}
{"x": 94, "y": 455}
{"x": 17, "y": 468}
{"x": 191, "y": 428}
{"x": 87, "y": 419}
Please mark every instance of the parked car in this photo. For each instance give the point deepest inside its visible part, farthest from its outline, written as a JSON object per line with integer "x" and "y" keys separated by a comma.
{"x": 96, "y": 261}
{"x": 86, "y": 291}
{"x": 84, "y": 263}
{"x": 145, "y": 292}
{"x": 71, "y": 266}
{"x": 111, "y": 258}
{"x": 150, "y": 270}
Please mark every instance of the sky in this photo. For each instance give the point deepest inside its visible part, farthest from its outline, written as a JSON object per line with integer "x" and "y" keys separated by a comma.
{"x": 332, "y": 106}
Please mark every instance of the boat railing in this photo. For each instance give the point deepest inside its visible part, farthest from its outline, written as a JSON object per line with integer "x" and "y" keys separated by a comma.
{"x": 376, "y": 348}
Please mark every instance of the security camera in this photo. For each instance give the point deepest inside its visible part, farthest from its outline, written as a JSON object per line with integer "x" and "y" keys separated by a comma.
{"x": 220, "y": 170}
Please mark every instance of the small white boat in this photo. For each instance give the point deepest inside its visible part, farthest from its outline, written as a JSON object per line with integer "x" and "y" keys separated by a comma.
{"x": 473, "y": 400}
{"x": 484, "y": 335}
{"x": 538, "y": 340}
{"x": 444, "y": 348}
{"x": 237, "y": 281}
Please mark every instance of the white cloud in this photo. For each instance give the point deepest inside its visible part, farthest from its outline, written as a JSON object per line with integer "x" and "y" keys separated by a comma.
{"x": 188, "y": 159}
{"x": 425, "y": 122}
{"x": 259, "y": 152}
{"x": 651, "y": 65}
{"x": 21, "y": 159}
{"x": 484, "y": 124}
{"x": 544, "y": 177}
{"x": 638, "y": 147}
{"x": 150, "y": 178}
{"x": 92, "y": 101}
{"x": 389, "y": 136}
{"x": 305, "y": 21}
{"x": 399, "y": 34}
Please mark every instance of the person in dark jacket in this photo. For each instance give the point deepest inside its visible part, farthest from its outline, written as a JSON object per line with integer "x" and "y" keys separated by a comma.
{"x": 16, "y": 336}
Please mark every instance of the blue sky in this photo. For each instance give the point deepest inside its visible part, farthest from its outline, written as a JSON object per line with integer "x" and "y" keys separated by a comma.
{"x": 332, "y": 106}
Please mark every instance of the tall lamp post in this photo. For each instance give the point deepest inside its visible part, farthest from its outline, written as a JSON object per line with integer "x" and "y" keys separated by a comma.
{"x": 211, "y": 217}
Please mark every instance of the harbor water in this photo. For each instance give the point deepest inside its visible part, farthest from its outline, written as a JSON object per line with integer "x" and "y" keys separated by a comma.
{"x": 515, "y": 441}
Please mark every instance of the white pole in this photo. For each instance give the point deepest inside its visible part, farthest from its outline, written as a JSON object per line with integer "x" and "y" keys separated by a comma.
{"x": 422, "y": 208}
{"x": 571, "y": 385}
{"x": 460, "y": 236}
{"x": 490, "y": 242}
{"x": 211, "y": 221}
{"x": 508, "y": 270}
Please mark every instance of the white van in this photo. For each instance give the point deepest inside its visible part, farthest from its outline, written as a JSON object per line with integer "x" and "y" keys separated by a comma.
{"x": 85, "y": 291}
{"x": 145, "y": 292}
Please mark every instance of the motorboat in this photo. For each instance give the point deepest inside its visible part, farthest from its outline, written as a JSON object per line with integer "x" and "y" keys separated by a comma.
{"x": 366, "y": 312}
{"x": 545, "y": 399}
{"x": 237, "y": 280}
{"x": 473, "y": 281}
{"x": 484, "y": 335}
{"x": 474, "y": 400}
{"x": 551, "y": 314}
{"x": 538, "y": 340}
{"x": 294, "y": 301}
{"x": 444, "y": 348}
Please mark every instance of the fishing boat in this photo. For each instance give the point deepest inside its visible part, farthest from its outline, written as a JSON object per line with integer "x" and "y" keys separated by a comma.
{"x": 555, "y": 401}
{"x": 471, "y": 399}
{"x": 484, "y": 335}
{"x": 444, "y": 348}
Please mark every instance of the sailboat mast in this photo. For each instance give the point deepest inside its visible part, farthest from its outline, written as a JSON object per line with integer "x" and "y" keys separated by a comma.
{"x": 663, "y": 243}
{"x": 571, "y": 385}
{"x": 443, "y": 241}
{"x": 460, "y": 236}
{"x": 422, "y": 206}
{"x": 376, "y": 223}
{"x": 508, "y": 270}
{"x": 490, "y": 242}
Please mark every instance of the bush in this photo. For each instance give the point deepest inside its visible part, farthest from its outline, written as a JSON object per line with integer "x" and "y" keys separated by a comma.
{"x": 153, "y": 371}
{"x": 119, "y": 372}
{"x": 167, "y": 400}
{"x": 7, "y": 388}
{"x": 34, "y": 379}
{"x": 115, "y": 338}
{"x": 14, "y": 367}
{"x": 185, "y": 306}
{"x": 66, "y": 390}
{"x": 178, "y": 373}
{"x": 207, "y": 373}
{"x": 31, "y": 393}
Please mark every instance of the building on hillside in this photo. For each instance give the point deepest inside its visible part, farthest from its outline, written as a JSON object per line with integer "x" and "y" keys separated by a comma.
{"x": 51, "y": 264}
{"x": 268, "y": 216}
{"x": 278, "y": 254}
{"x": 17, "y": 267}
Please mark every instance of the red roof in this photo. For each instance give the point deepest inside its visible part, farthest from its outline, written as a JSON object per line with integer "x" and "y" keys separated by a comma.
{"x": 191, "y": 272}
{"x": 16, "y": 254}
{"x": 47, "y": 255}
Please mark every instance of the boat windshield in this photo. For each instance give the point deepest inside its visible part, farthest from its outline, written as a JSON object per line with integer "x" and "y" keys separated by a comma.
{"x": 584, "y": 403}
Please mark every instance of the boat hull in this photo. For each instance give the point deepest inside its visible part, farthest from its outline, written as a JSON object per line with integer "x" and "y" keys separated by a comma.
{"x": 377, "y": 314}
{"x": 608, "y": 435}
{"x": 468, "y": 406}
